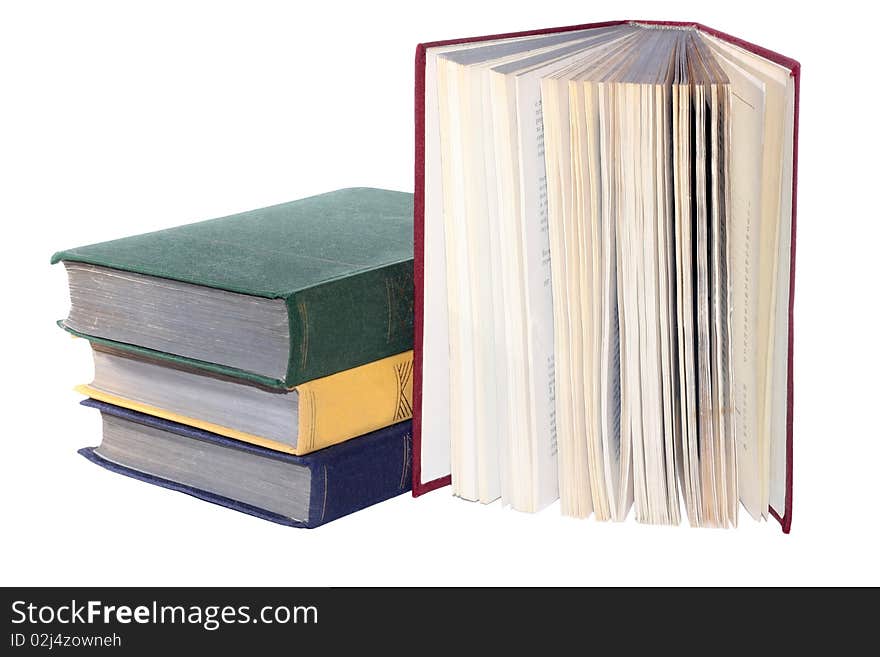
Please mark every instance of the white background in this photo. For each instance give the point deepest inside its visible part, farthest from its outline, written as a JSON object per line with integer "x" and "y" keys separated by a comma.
{"x": 119, "y": 118}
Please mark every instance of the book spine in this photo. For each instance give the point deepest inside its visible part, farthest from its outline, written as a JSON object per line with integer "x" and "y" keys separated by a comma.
{"x": 335, "y": 408}
{"x": 349, "y": 322}
{"x": 361, "y": 473}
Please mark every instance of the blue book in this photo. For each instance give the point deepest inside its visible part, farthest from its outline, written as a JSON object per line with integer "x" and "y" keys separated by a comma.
{"x": 299, "y": 491}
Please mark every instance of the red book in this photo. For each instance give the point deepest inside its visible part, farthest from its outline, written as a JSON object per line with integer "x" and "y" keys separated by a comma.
{"x": 430, "y": 466}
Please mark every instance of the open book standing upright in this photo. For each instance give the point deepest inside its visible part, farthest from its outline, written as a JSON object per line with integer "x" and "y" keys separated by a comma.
{"x": 604, "y": 258}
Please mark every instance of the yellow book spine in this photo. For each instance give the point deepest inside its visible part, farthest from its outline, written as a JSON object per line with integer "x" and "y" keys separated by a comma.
{"x": 354, "y": 402}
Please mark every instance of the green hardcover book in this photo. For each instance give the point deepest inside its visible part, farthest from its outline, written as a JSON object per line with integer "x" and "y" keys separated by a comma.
{"x": 278, "y": 296}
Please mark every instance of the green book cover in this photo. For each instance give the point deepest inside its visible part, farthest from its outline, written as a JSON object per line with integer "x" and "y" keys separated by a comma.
{"x": 341, "y": 261}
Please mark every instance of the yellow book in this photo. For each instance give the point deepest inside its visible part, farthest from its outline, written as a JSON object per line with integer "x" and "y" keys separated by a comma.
{"x": 299, "y": 420}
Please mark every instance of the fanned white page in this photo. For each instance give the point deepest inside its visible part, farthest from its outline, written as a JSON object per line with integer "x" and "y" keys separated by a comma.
{"x": 435, "y": 410}
{"x": 780, "y": 386}
{"x": 541, "y": 450}
{"x": 436, "y": 382}
{"x": 457, "y": 247}
{"x": 747, "y": 132}
{"x": 614, "y": 208}
{"x": 505, "y": 372}
{"x": 527, "y": 356}
{"x": 578, "y": 249}
{"x": 769, "y": 249}
{"x": 473, "y": 354}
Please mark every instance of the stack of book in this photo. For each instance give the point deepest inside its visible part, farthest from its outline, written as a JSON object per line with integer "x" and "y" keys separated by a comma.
{"x": 261, "y": 361}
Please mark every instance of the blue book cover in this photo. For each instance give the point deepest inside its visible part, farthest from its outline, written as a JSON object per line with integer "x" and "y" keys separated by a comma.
{"x": 344, "y": 478}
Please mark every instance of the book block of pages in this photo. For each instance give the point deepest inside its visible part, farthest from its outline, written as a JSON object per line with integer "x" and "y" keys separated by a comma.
{"x": 604, "y": 220}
